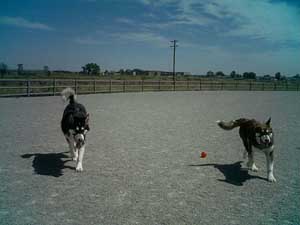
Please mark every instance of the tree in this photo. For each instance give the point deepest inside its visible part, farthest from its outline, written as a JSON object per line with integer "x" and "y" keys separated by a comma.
{"x": 278, "y": 76}
{"x": 3, "y": 69}
{"x": 252, "y": 75}
{"x": 246, "y": 75}
{"x": 220, "y": 74}
{"x": 297, "y": 76}
{"x": 210, "y": 74}
{"x": 249, "y": 75}
{"x": 233, "y": 74}
{"x": 83, "y": 69}
{"x": 91, "y": 68}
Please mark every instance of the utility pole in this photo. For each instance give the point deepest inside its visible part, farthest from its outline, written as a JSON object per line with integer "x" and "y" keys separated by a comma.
{"x": 174, "y": 45}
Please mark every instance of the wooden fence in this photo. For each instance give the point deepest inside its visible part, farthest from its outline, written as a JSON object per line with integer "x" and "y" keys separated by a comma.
{"x": 38, "y": 87}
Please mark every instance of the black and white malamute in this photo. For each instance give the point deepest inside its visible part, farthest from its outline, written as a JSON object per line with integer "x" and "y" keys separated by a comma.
{"x": 255, "y": 135}
{"x": 75, "y": 125}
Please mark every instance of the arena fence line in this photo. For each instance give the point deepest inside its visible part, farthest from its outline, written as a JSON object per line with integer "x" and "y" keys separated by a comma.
{"x": 47, "y": 87}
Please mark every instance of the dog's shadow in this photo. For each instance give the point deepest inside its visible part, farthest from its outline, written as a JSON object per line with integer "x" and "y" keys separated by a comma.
{"x": 234, "y": 173}
{"x": 49, "y": 164}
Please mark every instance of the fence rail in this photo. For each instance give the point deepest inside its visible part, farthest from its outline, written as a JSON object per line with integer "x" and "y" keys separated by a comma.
{"x": 39, "y": 87}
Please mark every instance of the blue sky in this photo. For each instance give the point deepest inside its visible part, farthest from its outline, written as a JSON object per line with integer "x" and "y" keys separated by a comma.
{"x": 219, "y": 35}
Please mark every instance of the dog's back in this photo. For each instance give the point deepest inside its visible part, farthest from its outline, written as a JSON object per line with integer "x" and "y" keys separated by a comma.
{"x": 73, "y": 109}
{"x": 247, "y": 128}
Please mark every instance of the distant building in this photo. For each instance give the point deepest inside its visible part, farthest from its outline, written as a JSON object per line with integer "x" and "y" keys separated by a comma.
{"x": 20, "y": 69}
{"x": 150, "y": 73}
{"x": 267, "y": 78}
{"x": 154, "y": 73}
{"x": 164, "y": 73}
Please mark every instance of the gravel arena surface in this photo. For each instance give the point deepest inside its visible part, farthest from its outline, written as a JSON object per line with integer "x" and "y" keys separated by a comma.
{"x": 142, "y": 163}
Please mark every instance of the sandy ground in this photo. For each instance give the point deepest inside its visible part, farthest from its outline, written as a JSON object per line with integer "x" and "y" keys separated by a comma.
{"x": 142, "y": 163}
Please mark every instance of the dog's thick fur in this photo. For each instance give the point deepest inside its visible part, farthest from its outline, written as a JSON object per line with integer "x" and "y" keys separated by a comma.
{"x": 74, "y": 125}
{"x": 257, "y": 135}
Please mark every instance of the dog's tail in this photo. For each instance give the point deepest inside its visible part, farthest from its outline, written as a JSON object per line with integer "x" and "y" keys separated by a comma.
{"x": 68, "y": 94}
{"x": 231, "y": 124}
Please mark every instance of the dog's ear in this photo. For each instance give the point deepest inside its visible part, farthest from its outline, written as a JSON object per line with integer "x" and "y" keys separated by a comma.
{"x": 268, "y": 122}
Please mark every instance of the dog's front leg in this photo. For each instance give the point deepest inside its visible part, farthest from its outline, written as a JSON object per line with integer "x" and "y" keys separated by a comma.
{"x": 270, "y": 165}
{"x": 73, "y": 150}
{"x": 80, "y": 158}
{"x": 72, "y": 147}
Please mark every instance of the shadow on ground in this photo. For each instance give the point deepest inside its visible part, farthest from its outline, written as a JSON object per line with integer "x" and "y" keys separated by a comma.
{"x": 49, "y": 164}
{"x": 234, "y": 174}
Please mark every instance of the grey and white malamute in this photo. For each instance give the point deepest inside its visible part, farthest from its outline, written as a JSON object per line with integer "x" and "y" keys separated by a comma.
{"x": 255, "y": 135}
{"x": 75, "y": 125}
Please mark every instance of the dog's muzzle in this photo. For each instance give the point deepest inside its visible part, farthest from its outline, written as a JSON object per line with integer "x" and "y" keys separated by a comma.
{"x": 79, "y": 140}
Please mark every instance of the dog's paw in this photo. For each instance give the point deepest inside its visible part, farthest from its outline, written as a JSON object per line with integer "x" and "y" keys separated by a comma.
{"x": 79, "y": 167}
{"x": 271, "y": 178}
{"x": 254, "y": 168}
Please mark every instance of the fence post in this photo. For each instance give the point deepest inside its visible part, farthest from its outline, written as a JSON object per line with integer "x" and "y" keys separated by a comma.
{"x": 275, "y": 86}
{"x": 222, "y": 83}
{"x": 159, "y": 85}
{"x": 174, "y": 85}
{"x": 236, "y": 85}
{"x": 142, "y": 85}
{"x": 250, "y": 86}
{"x": 286, "y": 86}
{"x": 297, "y": 86}
{"x": 75, "y": 86}
{"x": 28, "y": 88}
{"x": 263, "y": 86}
{"x": 110, "y": 86}
{"x": 200, "y": 86}
{"x": 124, "y": 88}
{"x": 188, "y": 85}
{"x": 54, "y": 86}
{"x": 95, "y": 86}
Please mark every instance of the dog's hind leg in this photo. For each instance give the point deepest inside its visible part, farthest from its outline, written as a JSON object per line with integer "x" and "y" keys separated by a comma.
{"x": 250, "y": 164}
{"x": 80, "y": 158}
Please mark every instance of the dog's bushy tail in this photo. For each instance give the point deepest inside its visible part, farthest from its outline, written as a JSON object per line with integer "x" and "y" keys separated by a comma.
{"x": 231, "y": 124}
{"x": 68, "y": 94}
